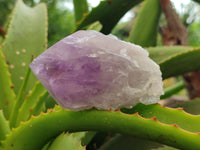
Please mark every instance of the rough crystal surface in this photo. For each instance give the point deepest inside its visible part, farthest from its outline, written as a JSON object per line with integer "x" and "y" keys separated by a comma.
{"x": 88, "y": 69}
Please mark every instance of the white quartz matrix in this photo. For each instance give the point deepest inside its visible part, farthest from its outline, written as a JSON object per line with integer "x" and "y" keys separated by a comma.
{"x": 90, "y": 70}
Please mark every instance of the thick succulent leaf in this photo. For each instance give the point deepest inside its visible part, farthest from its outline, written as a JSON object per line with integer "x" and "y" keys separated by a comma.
{"x": 46, "y": 146}
{"x": 40, "y": 104}
{"x": 80, "y": 9}
{"x": 26, "y": 37}
{"x": 50, "y": 102}
{"x": 175, "y": 60}
{"x": 7, "y": 95}
{"x": 79, "y": 135}
{"x": 191, "y": 106}
{"x": 167, "y": 116}
{"x": 95, "y": 26}
{"x": 181, "y": 63}
{"x": 169, "y": 91}
{"x": 4, "y": 127}
{"x": 108, "y": 13}
{"x": 19, "y": 100}
{"x": 145, "y": 28}
{"x": 66, "y": 142}
{"x": 88, "y": 137}
{"x": 161, "y": 53}
{"x": 120, "y": 142}
{"x": 46, "y": 126}
{"x": 30, "y": 102}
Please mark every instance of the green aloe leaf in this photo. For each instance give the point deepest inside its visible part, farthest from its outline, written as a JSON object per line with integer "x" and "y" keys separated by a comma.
{"x": 7, "y": 95}
{"x": 30, "y": 102}
{"x": 27, "y": 36}
{"x": 108, "y": 13}
{"x": 66, "y": 141}
{"x": 50, "y": 102}
{"x": 175, "y": 60}
{"x": 161, "y": 53}
{"x": 169, "y": 91}
{"x": 95, "y": 26}
{"x": 88, "y": 138}
{"x": 40, "y": 104}
{"x": 4, "y": 127}
{"x": 19, "y": 100}
{"x": 181, "y": 63}
{"x": 46, "y": 126}
{"x": 145, "y": 28}
{"x": 167, "y": 116}
{"x": 80, "y": 9}
{"x": 191, "y": 106}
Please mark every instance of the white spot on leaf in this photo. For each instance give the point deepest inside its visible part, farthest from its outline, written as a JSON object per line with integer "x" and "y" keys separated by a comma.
{"x": 24, "y": 51}
{"x": 23, "y": 64}
{"x": 21, "y": 78}
{"x": 12, "y": 66}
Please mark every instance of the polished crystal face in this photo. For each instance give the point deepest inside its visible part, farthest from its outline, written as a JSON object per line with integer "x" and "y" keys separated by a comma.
{"x": 88, "y": 69}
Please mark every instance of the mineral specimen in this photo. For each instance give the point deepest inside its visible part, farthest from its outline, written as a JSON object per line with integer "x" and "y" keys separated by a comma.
{"x": 88, "y": 69}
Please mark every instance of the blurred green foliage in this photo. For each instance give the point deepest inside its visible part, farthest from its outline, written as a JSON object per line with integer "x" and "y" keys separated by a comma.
{"x": 6, "y": 7}
{"x": 61, "y": 19}
{"x": 189, "y": 14}
{"x": 62, "y": 23}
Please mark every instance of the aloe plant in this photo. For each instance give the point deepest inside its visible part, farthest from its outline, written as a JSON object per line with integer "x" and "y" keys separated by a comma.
{"x": 28, "y": 120}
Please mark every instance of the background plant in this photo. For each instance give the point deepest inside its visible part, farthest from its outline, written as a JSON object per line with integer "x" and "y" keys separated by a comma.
{"x": 29, "y": 118}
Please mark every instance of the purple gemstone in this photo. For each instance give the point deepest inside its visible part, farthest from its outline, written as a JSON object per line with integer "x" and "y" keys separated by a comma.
{"x": 88, "y": 69}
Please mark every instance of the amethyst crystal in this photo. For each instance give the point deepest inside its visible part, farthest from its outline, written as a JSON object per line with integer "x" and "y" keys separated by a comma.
{"x": 88, "y": 69}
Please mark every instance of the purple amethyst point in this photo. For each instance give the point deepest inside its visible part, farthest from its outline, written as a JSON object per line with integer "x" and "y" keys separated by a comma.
{"x": 88, "y": 69}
